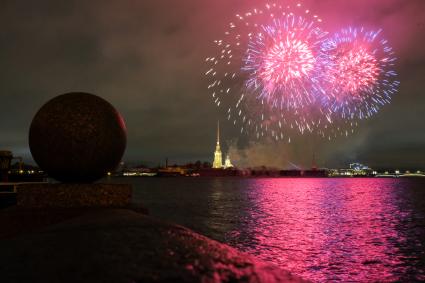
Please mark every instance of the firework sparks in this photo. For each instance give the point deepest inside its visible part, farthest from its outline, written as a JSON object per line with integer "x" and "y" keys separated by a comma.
{"x": 281, "y": 61}
{"x": 360, "y": 74}
{"x": 278, "y": 72}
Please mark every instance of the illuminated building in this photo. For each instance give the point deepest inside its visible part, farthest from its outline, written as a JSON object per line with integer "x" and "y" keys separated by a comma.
{"x": 227, "y": 163}
{"x": 218, "y": 155}
{"x": 355, "y": 170}
{"x": 358, "y": 166}
{"x": 218, "y": 161}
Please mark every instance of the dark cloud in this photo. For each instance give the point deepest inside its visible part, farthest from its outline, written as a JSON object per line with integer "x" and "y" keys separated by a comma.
{"x": 146, "y": 57}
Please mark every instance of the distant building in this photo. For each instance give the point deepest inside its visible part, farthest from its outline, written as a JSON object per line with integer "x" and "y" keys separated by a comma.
{"x": 355, "y": 170}
{"x": 358, "y": 166}
{"x": 228, "y": 163}
{"x": 218, "y": 156}
{"x": 218, "y": 161}
{"x": 173, "y": 171}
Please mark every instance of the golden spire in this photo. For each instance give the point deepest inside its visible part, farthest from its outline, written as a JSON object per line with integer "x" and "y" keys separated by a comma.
{"x": 218, "y": 132}
{"x": 218, "y": 159}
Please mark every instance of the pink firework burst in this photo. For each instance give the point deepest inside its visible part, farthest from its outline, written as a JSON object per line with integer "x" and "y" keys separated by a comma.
{"x": 278, "y": 73}
{"x": 356, "y": 70}
{"x": 282, "y": 61}
{"x": 288, "y": 59}
{"x": 265, "y": 72}
{"x": 359, "y": 73}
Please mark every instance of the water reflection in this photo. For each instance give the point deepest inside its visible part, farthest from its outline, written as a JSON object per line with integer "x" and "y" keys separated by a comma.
{"x": 330, "y": 229}
{"x": 321, "y": 229}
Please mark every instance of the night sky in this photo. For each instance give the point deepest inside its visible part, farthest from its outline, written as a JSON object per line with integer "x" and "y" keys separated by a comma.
{"x": 147, "y": 58}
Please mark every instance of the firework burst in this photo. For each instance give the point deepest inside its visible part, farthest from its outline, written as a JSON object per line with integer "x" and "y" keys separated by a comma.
{"x": 359, "y": 74}
{"x": 278, "y": 73}
{"x": 282, "y": 61}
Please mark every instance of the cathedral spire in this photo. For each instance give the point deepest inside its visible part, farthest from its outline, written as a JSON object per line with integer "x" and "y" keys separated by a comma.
{"x": 218, "y": 132}
{"x": 218, "y": 159}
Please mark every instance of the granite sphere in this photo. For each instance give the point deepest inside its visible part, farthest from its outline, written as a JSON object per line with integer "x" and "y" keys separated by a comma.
{"x": 77, "y": 138}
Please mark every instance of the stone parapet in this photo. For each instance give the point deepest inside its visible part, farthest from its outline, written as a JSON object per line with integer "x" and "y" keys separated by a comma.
{"x": 118, "y": 245}
{"x": 73, "y": 195}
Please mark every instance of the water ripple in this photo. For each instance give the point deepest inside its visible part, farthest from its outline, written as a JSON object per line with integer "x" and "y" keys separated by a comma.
{"x": 356, "y": 230}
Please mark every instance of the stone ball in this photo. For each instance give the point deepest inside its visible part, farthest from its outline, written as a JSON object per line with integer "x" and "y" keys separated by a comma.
{"x": 77, "y": 138}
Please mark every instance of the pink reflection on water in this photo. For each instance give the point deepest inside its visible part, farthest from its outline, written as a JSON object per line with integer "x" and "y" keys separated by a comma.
{"x": 329, "y": 229}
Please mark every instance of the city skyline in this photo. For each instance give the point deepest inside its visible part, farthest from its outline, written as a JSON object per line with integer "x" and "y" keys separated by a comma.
{"x": 147, "y": 59}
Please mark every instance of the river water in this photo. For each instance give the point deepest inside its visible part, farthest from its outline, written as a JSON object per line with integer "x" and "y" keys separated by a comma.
{"x": 326, "y": 229}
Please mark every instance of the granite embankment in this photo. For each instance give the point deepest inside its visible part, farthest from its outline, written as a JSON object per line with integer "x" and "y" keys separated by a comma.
{"x": 117, "y": 245}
